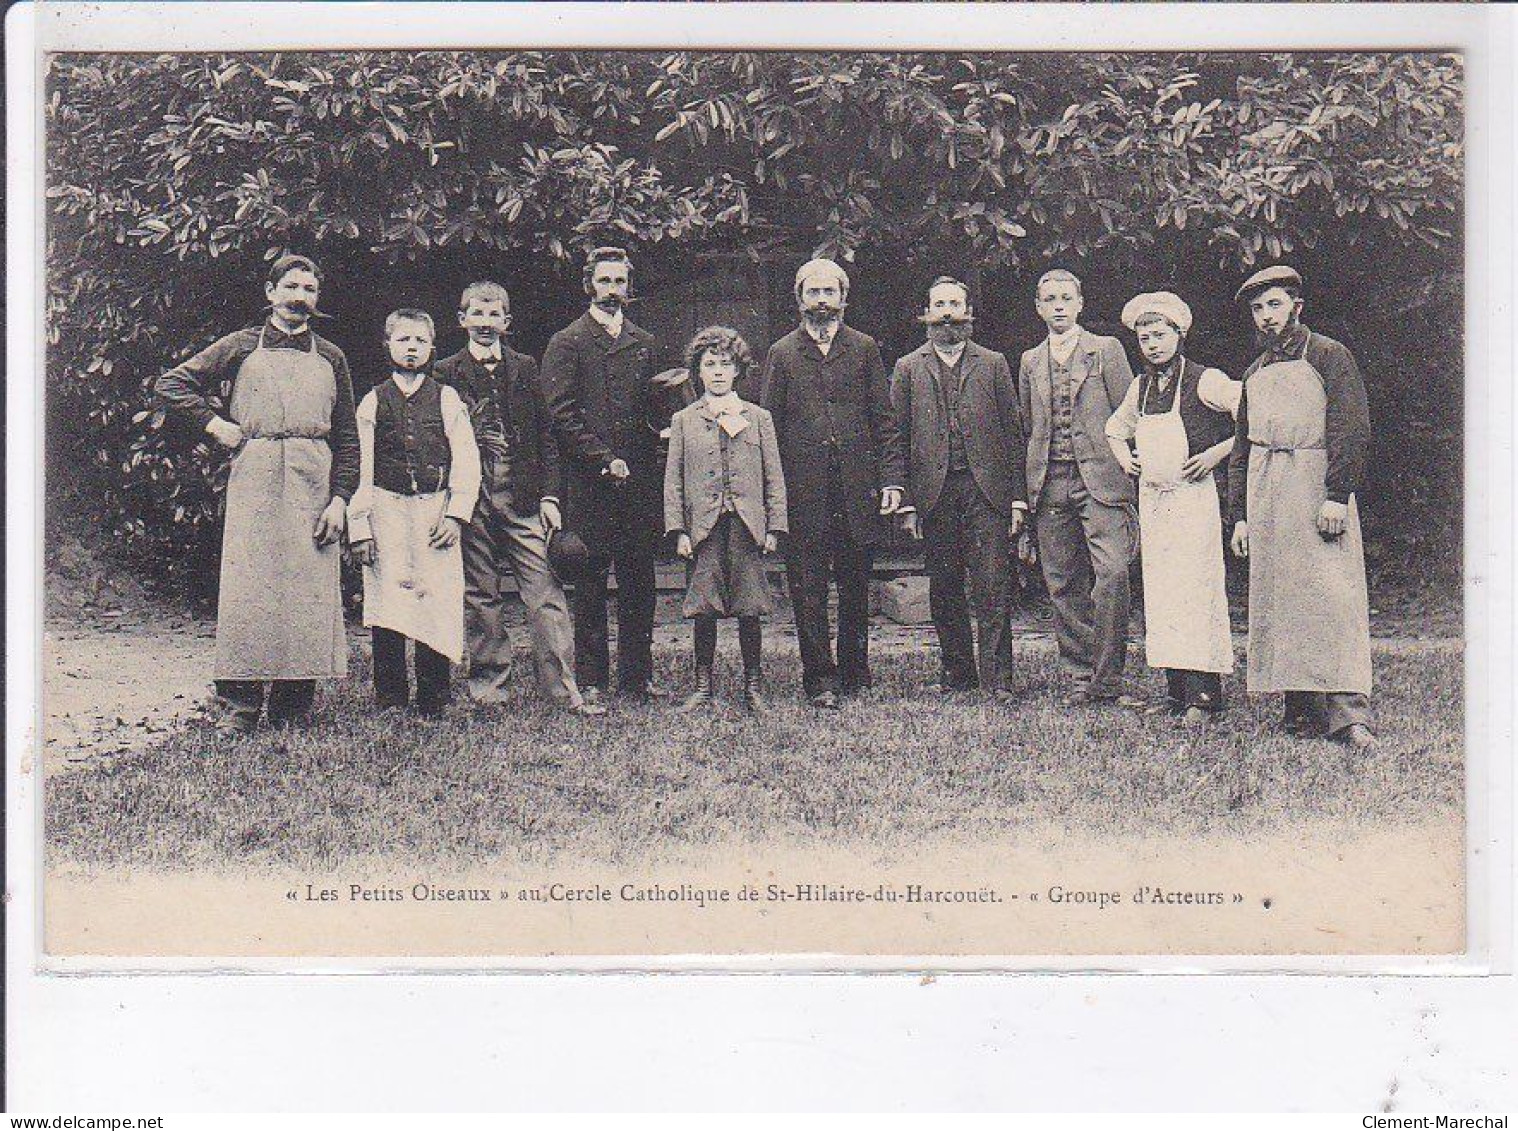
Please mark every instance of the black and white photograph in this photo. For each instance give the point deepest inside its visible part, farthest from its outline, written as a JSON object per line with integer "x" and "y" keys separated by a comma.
{"x": 523, "y": 503}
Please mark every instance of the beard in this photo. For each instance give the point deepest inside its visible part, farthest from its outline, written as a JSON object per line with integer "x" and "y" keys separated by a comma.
{"x": 1270, "y": 339}
{"x": 821, "y": 313}
{"x": 951, "y": 331}
{"x": 610, "y": 303}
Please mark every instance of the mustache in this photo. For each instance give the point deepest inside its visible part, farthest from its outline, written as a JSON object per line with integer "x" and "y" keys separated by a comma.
{"x": 302, "y": 305}
{"x": 946, "y": 319}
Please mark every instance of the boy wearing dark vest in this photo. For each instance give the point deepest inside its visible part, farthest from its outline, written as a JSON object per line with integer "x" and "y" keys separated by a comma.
{"x": 419, "y": 477}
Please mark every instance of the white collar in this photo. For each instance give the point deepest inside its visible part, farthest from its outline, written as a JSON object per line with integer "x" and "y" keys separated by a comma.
{"x": 1063, "y": 345}
{"x": 485, "y": 353}
{"x": 949, "y": 355}
{"x": 611, "y": 323}
{"x": 408, "y": 383}
{"x": 724, "y": 405}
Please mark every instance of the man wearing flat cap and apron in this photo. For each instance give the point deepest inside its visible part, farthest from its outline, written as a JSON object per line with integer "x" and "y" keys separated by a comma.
{"x": 825, "y": 385}
{"x": 1298, "y": 461}
{"x": 289, "y": 422}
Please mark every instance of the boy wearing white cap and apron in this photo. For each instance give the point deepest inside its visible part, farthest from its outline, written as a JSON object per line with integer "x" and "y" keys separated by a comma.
{"x": 1177, "y": 415}
{"x": 1303, "y": 431}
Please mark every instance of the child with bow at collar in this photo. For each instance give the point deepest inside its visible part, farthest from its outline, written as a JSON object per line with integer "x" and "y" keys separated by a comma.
{"x": 724, "y": 500}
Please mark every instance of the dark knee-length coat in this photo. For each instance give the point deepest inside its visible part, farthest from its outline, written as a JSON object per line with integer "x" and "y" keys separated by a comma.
{"x": 838, "y": 442}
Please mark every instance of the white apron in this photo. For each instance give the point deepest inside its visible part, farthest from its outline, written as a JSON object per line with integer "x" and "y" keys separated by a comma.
{"x": 1181, "y": 551}
{"x": 1309, "y": 612}
{"x": 412, "y": 588}
{"x": 279, "y": 610}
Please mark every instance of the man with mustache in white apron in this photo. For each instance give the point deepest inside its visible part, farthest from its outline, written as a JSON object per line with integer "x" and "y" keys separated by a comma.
{"x": 1178, "y": 414}
{"x": 1298, "y": 461}
{"x": 289, "y": 420}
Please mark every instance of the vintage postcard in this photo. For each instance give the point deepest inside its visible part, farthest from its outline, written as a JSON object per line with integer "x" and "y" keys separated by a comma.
{"x": 560, "y": 495}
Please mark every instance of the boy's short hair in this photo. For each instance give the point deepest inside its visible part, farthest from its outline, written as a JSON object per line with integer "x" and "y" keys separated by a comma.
{"x": 485, "y": 292}
{"x": 409, "y": 314}
{"x": 1059, "y": 275}
{"x": 719, "y": 339}
{"x": 291, "y": 262}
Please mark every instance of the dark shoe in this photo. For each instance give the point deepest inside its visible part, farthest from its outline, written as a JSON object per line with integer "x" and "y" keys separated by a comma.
{"x": 701, "y": 698}
{"x": 652, "y": 690}
{"x": 1004, "y": 697}
{"x": 1299, "y": 726}
{"x": 825, "y": 701}
{"x": 431, "y": 708}
{"x": 1356, "y": 736}
{"x": 752, "y": 698}
{"x": 390, "y": 702}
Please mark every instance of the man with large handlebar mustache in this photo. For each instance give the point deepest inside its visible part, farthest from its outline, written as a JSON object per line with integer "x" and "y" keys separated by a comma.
{"x": 289, "y": 423}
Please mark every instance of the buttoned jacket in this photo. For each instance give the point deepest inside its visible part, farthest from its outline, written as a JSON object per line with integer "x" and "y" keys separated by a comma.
{"x": 694, "y": 474}
{"x": 990, "y": 420}
{"x": 1099, "y": 377}
{"x": 837, "y": 438}
{"x": 531, "y": 473}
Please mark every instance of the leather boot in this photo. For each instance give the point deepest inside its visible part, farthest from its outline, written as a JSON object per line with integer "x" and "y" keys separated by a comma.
{"x": 701, "y": 698}
{"x": 753, "y": 699}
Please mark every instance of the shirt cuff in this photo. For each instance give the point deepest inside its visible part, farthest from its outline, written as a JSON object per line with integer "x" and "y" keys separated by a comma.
{"x": 554, "y": 499}
{"x": 1019, "y": 505}
{"x": 455, "y": 509}
{"x": 359, "y": 529}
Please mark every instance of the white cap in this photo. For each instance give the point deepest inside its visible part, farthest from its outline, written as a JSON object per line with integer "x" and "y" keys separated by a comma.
{"x": 1171, "y": 307}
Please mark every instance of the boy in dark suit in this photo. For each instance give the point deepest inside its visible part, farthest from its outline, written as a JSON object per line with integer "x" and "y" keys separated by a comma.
{"x": 518, "y": 510}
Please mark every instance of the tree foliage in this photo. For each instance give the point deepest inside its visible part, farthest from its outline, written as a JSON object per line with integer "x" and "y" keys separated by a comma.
{"x": 172, "y": 178}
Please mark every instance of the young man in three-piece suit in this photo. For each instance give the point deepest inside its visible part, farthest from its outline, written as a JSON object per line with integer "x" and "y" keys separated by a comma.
{"x": 1082, "y": 500}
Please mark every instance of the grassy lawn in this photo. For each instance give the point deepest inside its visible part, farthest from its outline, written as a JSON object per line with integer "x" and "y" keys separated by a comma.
{"x": 889, "y": 769}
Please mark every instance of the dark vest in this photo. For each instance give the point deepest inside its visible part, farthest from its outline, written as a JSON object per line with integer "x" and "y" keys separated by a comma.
{"x": 951, "y": 380}
{"x": 1204, "y": 426}
{"x": 411, "y": 453}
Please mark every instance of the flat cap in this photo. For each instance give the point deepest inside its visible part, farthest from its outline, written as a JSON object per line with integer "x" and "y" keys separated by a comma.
{"x": 1277, "y": 276}
{"x": 1171, "y": 307}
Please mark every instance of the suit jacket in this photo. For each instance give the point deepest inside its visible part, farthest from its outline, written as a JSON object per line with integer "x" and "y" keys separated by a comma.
{"x": 605, "y": 408}
{"x": 838, "y": 440}
{"x": 1100, "y": 376}
{"x": 532, "y": 471}
{"x": 693, "y": 474}
{"x": 994, "y": 444}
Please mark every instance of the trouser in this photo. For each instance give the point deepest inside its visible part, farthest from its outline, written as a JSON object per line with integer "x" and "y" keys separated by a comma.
{"x": 1086, "y": 547}
{"x": 1328, "y": 712}
{"x": 499, "y": 539}
{"x": 289, "y": 699}
{"x": 627, "y": 542}
{"x": 392, "y": 687}
{"x": 809, "y": 567}
{"x": 964, "y": 534}
{"x": 1186, "y": 688}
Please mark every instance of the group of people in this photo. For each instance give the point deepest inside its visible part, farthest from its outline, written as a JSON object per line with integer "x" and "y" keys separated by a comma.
{"x": 447, "y": 476}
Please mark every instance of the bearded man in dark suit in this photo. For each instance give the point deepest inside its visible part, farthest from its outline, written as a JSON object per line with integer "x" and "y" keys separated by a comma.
{"x": 825, "y": 385}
